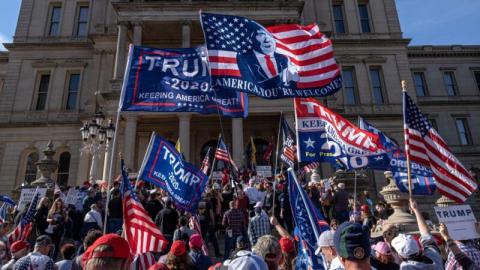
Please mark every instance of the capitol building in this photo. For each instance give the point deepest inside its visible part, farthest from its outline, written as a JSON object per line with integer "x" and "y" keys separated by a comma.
{"x": 67, "y": 61}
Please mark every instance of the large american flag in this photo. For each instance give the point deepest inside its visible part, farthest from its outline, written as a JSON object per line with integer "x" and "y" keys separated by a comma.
{"x": 141, "y": 232}
{"x": 24, "y": 228}
{"x": 221, "y": 153}
{"x": 310, "y": 51}
{"x": 289, "y": 149}
{"x": 425, "y": 146}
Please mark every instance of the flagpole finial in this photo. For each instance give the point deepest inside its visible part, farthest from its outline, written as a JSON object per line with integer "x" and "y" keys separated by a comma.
{"x": 404, "y": 85}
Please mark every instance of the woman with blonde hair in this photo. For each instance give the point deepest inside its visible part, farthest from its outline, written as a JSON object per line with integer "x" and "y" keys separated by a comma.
{"x": 40, "y": 218}
{"x": 57, "y": 216}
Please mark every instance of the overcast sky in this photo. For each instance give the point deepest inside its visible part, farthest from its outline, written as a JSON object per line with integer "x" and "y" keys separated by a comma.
{"x": 432, "y": 22}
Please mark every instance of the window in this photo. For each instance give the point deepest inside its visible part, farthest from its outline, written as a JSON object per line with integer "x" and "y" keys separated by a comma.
{"x": 82, "y": 21}
{"x": 63, "y": 169}
{"x": 73, "y": 85}
{"x": 364, "y": 21}
{"x": 42, "y": 92}
{"x": 477, "y": 79}
{"x": 349, "y": 88}
{"x": 377, "y": 87}
{"x": 338, "y": 18}
{"x": 433, "y": 122}
{"x": 450, "y": 84}
{"x": 420, "y": 85}
{"x": 55, "y": 21}
{"x": 463, "y": 131}
{"x": 31, "y": 167}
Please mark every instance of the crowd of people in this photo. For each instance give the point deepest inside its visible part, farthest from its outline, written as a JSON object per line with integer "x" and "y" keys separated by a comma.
{"x": 250, "y": 215}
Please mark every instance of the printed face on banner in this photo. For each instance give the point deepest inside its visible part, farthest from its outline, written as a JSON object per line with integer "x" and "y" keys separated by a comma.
{"x": 165, "y": 168}
{"x": 176, "y": 80}
{"x": 326, "y": 136}
{"x": 278, "y": 62}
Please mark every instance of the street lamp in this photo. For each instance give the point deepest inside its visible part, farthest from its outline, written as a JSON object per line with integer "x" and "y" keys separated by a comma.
{"x": 94, "y": 135}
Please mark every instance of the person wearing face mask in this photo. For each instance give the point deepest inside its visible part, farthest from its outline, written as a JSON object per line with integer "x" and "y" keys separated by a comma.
{"x": 18, "y": 250}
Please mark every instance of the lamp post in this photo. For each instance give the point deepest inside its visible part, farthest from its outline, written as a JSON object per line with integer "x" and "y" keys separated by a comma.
{"x": 95, "y": 134}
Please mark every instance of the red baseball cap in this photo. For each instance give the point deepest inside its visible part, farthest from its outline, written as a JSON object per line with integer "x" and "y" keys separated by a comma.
{"x": 120, "y": 248}
{"x": 365, "y": 208}
{"x": 18, "y": 245}
{"x": 178, "y": 248}
{"x": 196, "y": 241}
{"x": 286, "y": 244}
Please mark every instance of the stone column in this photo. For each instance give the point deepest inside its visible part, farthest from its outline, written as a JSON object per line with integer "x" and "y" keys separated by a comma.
{"x": 237, "y": 141}
{"x": 121, "y": 54}
{"x": 184, "y": 134}
{"x": 129, "y": 142}
{"x": 137, "y": 33}
{"x": 186, "y": 33}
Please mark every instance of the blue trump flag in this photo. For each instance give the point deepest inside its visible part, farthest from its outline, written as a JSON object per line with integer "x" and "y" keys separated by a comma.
{"x": 175, "y": 80}
{"x": 309, "y": 225}
{"x": 7, "y": 200}
{"x": 423, "y": 182}
{"x": 164, "y": 167}
{"x": 324, "y": 136}
{"x": 275, "y": 62}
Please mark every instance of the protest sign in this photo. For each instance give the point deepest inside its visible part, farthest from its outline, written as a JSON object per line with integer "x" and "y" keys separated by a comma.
{"x": 217, "y": 175}
{"x": 27, "y": 195}
{"x": 264, "y": 171}
{"x": 71, "y": 197}
{"x": 460, "y": 221}
{"x": 81, "y": 194}
{"x": 164, "y": 167}
{"x": 175, "y": 80}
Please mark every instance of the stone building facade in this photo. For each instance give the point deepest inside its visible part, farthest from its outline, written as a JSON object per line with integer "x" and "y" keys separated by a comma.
{"x": 67, "y": 60}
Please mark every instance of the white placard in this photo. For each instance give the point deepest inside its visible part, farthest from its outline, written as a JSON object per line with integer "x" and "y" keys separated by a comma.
{"x": 217, "y": 175}
{"x": 460, "y": 221}
{"x": 27, "y": 195}
{"x": 264, "y": 171}
{"x": 79, "y": 200}
{"x": 71, "y": 197}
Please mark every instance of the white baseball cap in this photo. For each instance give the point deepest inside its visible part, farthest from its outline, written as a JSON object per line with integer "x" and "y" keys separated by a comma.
{"x": 325, "y": 240}
{"x": 258, "y": 205}
{"x": 246, "y": 260}
{"x": 405, "y": 245}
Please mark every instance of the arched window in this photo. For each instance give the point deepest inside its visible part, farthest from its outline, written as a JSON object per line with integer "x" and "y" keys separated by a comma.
{"x": 31, "y": 167}
{"x": 261, "y": 147}
{"x": 63, "y": 169}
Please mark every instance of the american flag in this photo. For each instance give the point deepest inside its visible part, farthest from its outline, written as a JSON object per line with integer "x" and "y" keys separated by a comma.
{"x": 141, "y": 232}
{"x": 289, "y": 149}
{"x": 24, "y": 228}
{"x": 312, "y": 166}
{"x": 195, "y": 225}
{"x": 221, "y": 153}
{"x": 143, "y": 261}
{"x": 206, "y": 162}
{"x": 425, "y": 146}
{"x": 229, "y": 38}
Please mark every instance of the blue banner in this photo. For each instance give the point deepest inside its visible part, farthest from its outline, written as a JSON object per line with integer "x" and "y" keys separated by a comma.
{"x": 7, "y": 200}
{"x": 275, "y": 62}
{"x": 309, "y": 224}
{"x": 164, "y": 167}
{"x": 175, "y": 80}
{"x": 324, "y": 136}
{"x": 423, "y": 182}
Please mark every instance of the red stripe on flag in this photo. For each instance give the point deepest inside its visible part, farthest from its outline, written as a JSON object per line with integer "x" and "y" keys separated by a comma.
{"x": 225, "y": 72}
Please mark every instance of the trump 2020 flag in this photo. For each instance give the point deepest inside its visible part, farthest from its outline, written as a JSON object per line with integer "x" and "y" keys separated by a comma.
{"x": 275, "y": 62}
{"x": 164, "y": 167}
{"x": 309, "y": 225}
{"x": 423, "y": 182}
{"x": 175, "y": 80}
{"x": 324, "y": 136}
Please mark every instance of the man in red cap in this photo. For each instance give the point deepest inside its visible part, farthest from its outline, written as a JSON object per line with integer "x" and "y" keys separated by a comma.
{"x": 201, "y": 261}
{"x": 177, "y": 258}
{"x": 18, "y": 250}
{"x": 109, "y": 252}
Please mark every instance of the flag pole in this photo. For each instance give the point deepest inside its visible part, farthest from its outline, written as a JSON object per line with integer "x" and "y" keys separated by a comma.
{"x": 214, "y": 159}
{"x": 276, "y": 163}
{"x": 409, "y": 176}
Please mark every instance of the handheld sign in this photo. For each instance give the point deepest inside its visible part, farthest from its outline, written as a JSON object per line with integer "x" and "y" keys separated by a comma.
{"x": 264, "y": 171}
{"x": 460, "y": 221}
{"x": 164, "y": 167}
{"x": 27, "y": 195}
{"x": 175, "y": 80}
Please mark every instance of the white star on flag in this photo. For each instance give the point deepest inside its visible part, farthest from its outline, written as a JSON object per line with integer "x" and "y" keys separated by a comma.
{"x": 309, "y": 143}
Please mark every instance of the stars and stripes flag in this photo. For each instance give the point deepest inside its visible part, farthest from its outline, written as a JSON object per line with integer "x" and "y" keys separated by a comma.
{"x": 221, "y": 153}
{"x": 195, "y": 225}
{"x": 24, "y": 227}
{"x": 289, "y": 149}
{"x": 206, "y": 162}
{"x": 143, "y": 261}
{"x": 298, "y": 59}
{"x": 425, "y": 146}
{"x": 140, "y": 231}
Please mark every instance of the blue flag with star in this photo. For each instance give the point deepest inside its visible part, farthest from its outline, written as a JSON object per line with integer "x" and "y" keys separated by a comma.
{"x": 176, "y": 80}
{"x": 423, "y": 182}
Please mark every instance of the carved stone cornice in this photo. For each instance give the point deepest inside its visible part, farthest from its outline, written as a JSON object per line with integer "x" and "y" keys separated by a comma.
{"x": 374, "y": 59}
{"x": 44, "y": 63}
{"x": 347, "y": 59}
{"x": 74, "y": 64}
{"x": 444, "y": 51}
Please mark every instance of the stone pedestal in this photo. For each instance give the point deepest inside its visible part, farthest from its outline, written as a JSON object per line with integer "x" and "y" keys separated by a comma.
{"x": 405, "y": 222}
{"x": 47, "y": 166}
{"x": 348, "y": 178}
